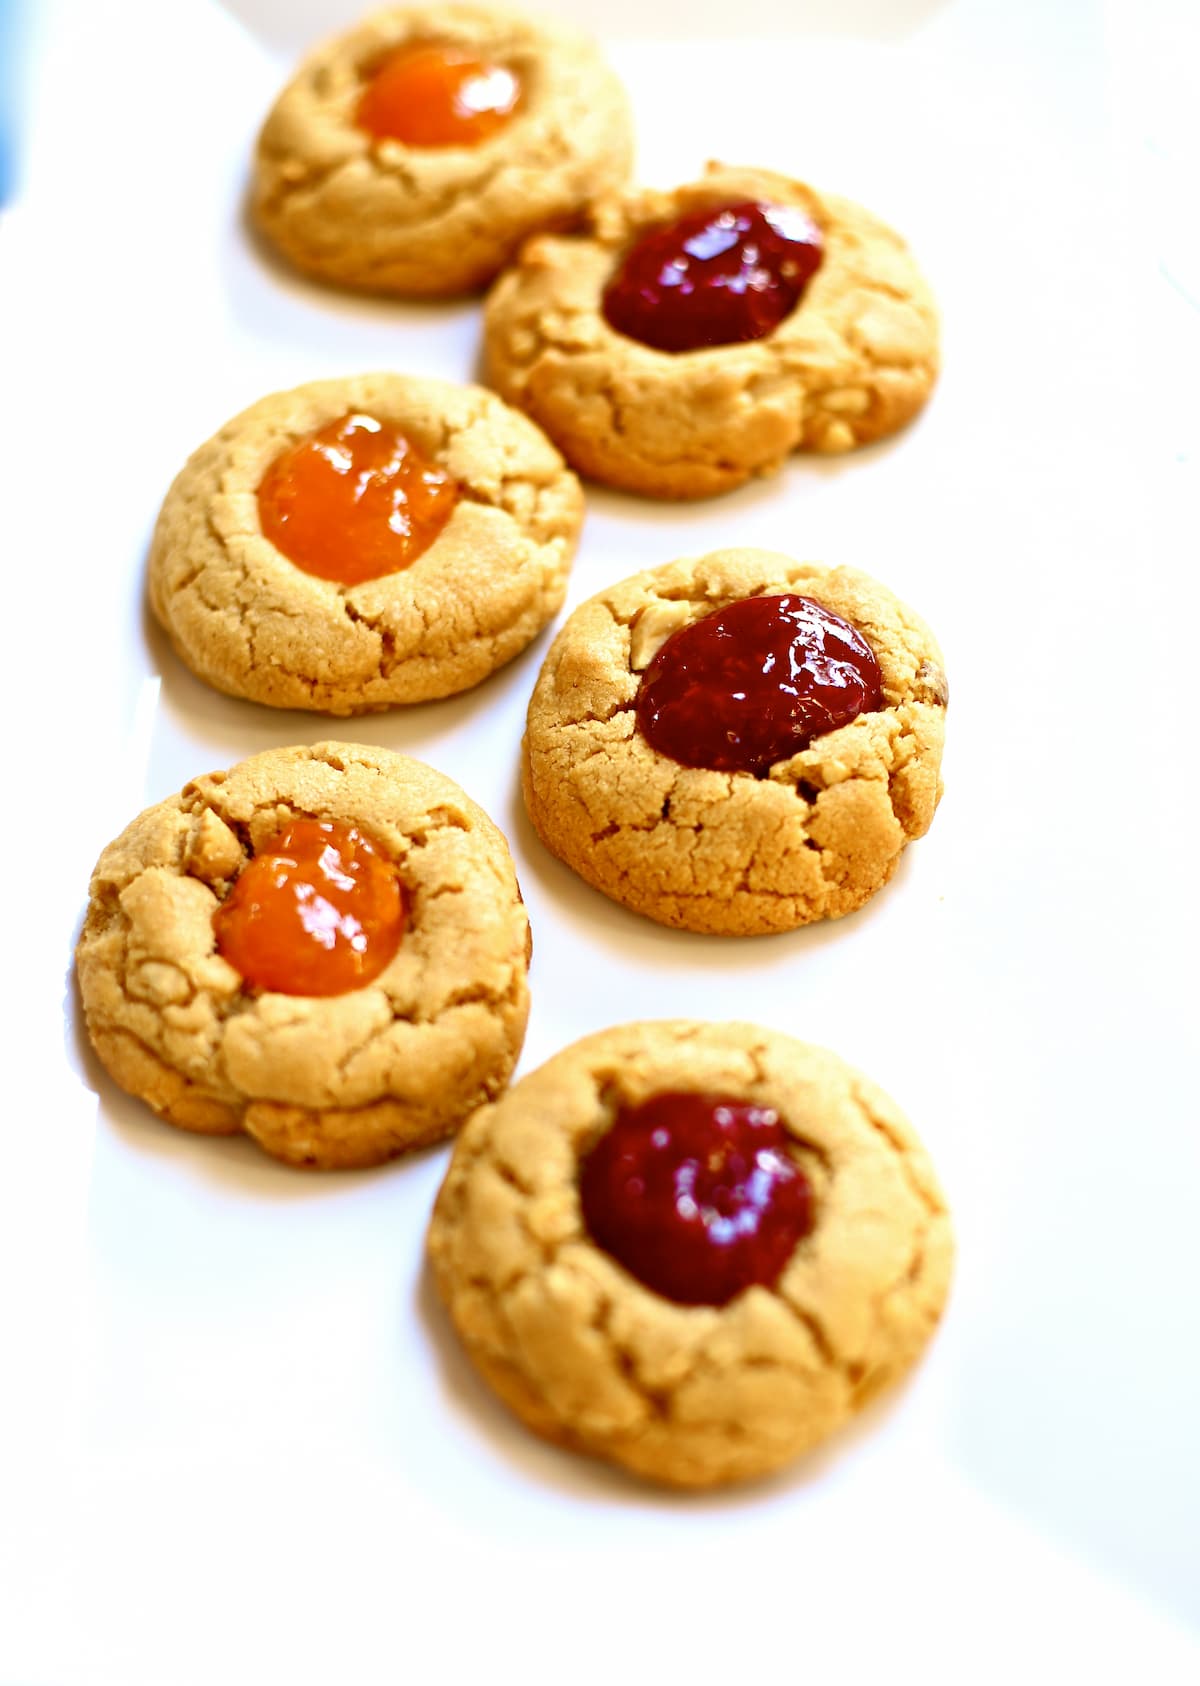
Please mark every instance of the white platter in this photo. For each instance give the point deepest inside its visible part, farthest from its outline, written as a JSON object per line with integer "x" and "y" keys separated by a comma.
{"x": 236, "y": 1440}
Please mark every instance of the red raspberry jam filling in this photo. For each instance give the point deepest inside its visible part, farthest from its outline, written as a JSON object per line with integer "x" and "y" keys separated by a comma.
{"x": 717, "y": 276}
{"x": 318, "y": 911}
{"x": 750, "y": 685}
{"x": 354, "y": 501}
{"x": 425, "y": 94}
{"x": 697, "y": 1196}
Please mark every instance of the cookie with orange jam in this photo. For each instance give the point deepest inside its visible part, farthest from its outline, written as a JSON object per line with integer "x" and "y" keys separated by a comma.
{"x": 356, "y": 544}
{"x": 324, "y": 947}
{"x": 692, "y": 1249}
{"x": 414, "y": 153}
{"x": 683, "y": 342}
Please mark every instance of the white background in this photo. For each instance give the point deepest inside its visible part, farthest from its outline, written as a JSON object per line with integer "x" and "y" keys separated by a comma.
{"x": 236, "y": 1442}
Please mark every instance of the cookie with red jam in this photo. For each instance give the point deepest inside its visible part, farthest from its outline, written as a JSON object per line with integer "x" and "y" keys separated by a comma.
{"x": 692, "y": 1249}
{"x": 684, "y": 342}
{"x": 737, "y": 744}
{"x": 415, "y": 152}
{"x": 324, "y": 948}
{"x": 356, "y": 544}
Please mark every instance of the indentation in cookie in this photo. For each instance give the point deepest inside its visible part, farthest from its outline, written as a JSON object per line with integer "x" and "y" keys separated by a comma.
{"x": 753, "y": 684}
{"x": 717, "y": 276}
{"x": 355, "y": 500}
{"x": 317, "y": 911}
{"x": 430, "y": 93}
{"x": 696, "y": 1195}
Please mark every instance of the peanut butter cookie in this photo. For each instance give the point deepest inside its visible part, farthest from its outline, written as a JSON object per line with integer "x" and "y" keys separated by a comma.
{"x": 775, "y": 1248}
{"x": 414, "y": 153}
{"x": 686, "y": 341}
{"x": 324, "y": 947}
{"x": 737, "y": 744}
{"x": 355, "y": 544}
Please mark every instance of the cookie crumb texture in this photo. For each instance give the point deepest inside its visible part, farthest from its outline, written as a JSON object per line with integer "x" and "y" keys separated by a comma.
{"x": 854, "y": 361}
{"x": 690, "y": 1395}
{"x": 339, "y": 1081}
{"x": 729, "y": 853}
{"x": 384, "y": 217}
{"x": 248, "y": 621}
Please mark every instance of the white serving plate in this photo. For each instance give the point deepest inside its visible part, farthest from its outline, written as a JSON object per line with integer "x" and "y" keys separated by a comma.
{"x": 236, "y": 1439}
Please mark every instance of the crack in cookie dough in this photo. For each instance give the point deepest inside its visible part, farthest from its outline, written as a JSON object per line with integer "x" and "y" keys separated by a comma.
{"x": 385, "y": 217}
{"x": 724, "y": 852}
{"x": 247, "y": 620}
{"x": 690, "y": 1395}
{"x": 853, "y": 362}
{"x": 334, "y": 1081}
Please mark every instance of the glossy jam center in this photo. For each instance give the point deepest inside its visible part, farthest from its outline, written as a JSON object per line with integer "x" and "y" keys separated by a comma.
{"x": 317, "y": 911}
{"x": 354, "y": 501}
{"x": 697, "y": 1196}
{"x": 717, "y": 276}
{"x": 750, "y": 685}
{"x": 431, "y": 95}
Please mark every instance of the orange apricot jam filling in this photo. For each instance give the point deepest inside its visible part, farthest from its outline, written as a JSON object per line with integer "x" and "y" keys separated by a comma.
{"x": 426, "y": 94}
{"x": 354, "y": 501}
{"x": 317, "y": 911}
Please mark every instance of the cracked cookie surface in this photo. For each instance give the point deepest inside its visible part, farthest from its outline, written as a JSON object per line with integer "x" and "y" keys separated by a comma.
{"x": 334, "y": 1081}
{"x": 729, "y": 853}
{"x": 690, "y": 1395}
{"x": 855, "y": 360}
{"x": 384, "y": 217}
{"x": 250, "y": 622}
